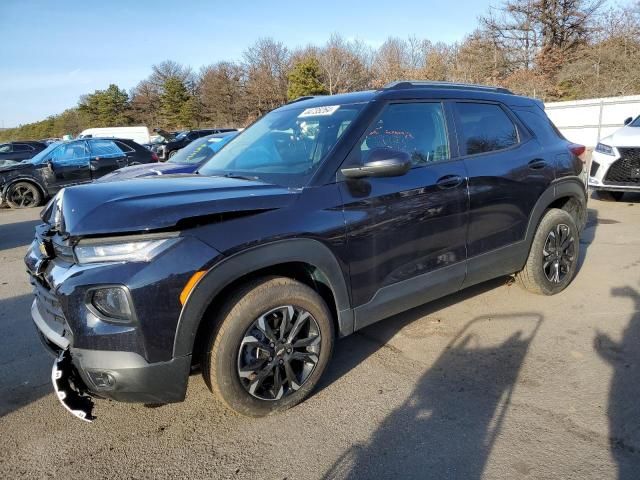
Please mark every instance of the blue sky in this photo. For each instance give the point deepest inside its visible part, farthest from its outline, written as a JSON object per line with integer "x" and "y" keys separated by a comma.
{"x": 51, "y": 52}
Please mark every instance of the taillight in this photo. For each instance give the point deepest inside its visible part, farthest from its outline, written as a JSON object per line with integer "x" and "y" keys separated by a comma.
{"x": 578, "y": 150}
{"x": 154, "y": 157}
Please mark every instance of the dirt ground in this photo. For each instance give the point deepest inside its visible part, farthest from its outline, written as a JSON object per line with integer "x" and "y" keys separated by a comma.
{"x": 492, "y": 382}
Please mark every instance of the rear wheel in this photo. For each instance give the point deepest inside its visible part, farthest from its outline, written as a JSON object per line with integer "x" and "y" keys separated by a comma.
{"x": 172, "y": 153}
{"x": 23, "y": 195}
{"x": 553, "y": 258}
{"x": 610, "y": 196}
{"x": 273, "y": 341}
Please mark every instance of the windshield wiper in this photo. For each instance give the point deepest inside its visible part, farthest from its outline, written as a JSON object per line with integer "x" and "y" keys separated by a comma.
{"x": 241, "y": 177}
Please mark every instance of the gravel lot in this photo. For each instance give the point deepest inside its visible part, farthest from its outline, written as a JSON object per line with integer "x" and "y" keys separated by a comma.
{"x": 492, "y": 382}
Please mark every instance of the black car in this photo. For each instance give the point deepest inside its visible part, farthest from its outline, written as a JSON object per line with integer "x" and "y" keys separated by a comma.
{"x": 22, "y": 150}
{"x": 173, "y": 143}
{"x": 323, "y": 217}
{"x": 27, "y": 184}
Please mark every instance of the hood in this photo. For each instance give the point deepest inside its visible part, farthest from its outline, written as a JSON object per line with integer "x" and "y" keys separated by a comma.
{"x": 15, "y": 166}
{"x": 157, "y": 203}
{"x": 166, "y": 135}
{"x": 148, "y": 170}
{"x": 625, "y": 137}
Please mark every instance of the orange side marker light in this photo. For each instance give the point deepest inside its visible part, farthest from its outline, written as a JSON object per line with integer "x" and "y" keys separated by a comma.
{"x": 195, "y": 278}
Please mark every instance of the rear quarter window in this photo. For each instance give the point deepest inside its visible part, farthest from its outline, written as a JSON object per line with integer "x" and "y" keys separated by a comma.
{"x": 539, "y": 124}
{"x": 21, "y": 147}
{"x": 124, "y": 147}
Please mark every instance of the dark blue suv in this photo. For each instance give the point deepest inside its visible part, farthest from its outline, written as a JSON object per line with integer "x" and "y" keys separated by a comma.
{"x": 325, "y": 216}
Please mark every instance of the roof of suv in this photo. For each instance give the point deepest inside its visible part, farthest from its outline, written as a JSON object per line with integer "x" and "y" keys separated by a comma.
{"x": 408, "y": 89}
{"x": 28, "y": 142}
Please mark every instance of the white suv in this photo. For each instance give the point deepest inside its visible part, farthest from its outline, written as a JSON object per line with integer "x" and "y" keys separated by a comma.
{"x": 615, "y": 163}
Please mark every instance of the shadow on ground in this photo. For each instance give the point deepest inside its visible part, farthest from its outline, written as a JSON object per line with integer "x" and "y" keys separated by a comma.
{"x": 624, "y": 395}
{"x": 25, "y": 367}
{"x": 447, "y": 427}
{"x": 17, "y": 234}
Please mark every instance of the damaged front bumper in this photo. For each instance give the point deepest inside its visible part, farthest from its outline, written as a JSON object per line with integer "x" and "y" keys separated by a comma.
{"x": 70, "y": 389}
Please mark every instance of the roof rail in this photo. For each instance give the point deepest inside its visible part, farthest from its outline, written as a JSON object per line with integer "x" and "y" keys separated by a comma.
{"x": 403, "y": 84}
{"x": 300, "y": 99}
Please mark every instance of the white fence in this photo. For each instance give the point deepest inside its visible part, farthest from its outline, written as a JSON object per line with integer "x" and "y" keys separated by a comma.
{"x": 588, "y": 121}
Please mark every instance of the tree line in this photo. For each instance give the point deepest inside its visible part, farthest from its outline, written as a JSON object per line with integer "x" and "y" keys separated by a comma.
{"x": 549, "y": 49}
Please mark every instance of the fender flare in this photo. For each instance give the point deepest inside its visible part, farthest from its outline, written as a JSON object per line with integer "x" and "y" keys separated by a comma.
{"x": 563, "y": 187}
{"x": 231, "y": 268}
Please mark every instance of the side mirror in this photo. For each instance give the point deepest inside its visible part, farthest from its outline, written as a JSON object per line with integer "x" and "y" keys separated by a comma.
{"x": 628, "y": 120}
{"x": 381, "y": 162}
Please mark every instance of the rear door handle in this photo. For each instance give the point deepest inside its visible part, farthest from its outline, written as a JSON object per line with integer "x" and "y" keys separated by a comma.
{"x": 537, "y": 164}
{"x": 449, "y": 181}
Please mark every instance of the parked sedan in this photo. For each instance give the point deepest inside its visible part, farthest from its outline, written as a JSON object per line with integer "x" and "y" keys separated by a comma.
{"x": 173, "y": 143}
{"x": 22, "y": 150}
{"x": 28, "y": 183}
{"x": 615, "y": 163}
{"x": 187, "y": 160}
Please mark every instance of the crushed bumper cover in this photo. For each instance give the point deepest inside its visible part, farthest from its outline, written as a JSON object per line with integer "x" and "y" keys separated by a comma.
{"x": 70, "y": 389}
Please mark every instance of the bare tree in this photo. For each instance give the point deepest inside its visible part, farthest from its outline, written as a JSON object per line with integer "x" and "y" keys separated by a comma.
{"x": 163, "y": 71}
{"x": 345, "y": 65}
{"x": 222, "y": 95}
{"x": 392, "y": 62}
{"x": 145, "y": 103}
{"x": 266, "y": 65}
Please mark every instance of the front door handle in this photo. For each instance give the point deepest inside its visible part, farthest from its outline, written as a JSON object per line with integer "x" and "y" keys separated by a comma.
{"x": 449, "y": 181}
{"x": 537, "y": 164}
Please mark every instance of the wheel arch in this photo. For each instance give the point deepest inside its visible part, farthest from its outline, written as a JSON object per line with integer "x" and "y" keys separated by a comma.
{"x": 30, "y": 180}
{"x": 306, "y": 260}
{"x": 567, "y": 194}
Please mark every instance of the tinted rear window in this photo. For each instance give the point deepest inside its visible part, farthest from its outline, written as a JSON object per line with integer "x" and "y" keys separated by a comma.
{"x": 485, "y": 128}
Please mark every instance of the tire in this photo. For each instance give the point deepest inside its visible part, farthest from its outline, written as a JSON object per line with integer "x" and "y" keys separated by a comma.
{"x": 549, "y": 274}
{"x": 610, "y": 196}
{"x": 23, "y": 195}
{"x": 238, "y": 331}
{"x": 172, "y": 153}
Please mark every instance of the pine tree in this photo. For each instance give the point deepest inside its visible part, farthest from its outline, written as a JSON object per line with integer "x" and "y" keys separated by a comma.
{"x": 305, "y": 79}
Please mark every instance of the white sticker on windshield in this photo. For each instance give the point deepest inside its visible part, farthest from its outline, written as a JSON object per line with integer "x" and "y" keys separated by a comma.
{"x": 319, "y": 111}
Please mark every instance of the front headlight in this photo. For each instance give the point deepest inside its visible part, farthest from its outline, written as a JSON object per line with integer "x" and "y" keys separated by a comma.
{"x": 125, "y": 251}
{"x": 606, "y": 149}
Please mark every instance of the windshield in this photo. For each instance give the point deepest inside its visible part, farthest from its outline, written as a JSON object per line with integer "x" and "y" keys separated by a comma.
{"x": 200, "y": 150}
{"x": 181, "y": 135}
{"x": 39, "y": 157}
{"x": 636, "y": 122}
{"x": 285, "y": 147}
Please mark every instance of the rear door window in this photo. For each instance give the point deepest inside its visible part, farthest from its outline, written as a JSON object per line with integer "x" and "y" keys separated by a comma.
{"x": 105, "y": 149}
{"x": 73, "y": 154}
{"x": 485, "y": 127}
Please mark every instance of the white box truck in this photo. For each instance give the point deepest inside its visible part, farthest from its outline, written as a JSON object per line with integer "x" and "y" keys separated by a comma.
{"x": 137, "y": 134}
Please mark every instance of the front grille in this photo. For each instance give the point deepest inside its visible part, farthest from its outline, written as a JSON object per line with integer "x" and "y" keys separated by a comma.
{"x": 626, "y": 170}
{"x": 49, "y": 306}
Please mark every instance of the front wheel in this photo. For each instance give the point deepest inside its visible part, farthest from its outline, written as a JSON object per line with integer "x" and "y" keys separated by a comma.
{"x": 553, "y": 258}
{"x": 23, "y": 195}
{"x": 273, "y": 341}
